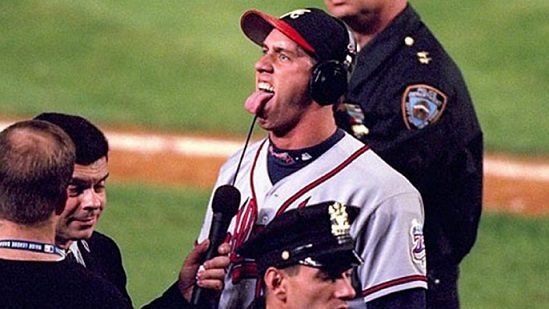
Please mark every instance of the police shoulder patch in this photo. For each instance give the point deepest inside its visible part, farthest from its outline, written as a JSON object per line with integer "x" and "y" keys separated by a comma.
{"x": 422, "y": 105}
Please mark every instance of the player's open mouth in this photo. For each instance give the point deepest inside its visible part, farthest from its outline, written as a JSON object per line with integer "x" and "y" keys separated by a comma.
{"x": 265, "y": 87}
{"x": 256, "y": 102}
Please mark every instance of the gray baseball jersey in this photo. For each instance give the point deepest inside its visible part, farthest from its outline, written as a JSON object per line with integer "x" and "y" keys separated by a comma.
{"x": 388, "y": 230}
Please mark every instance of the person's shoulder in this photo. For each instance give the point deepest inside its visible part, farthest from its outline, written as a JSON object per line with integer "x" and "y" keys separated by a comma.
{"x": 367, "y": 162}
{"x": 63, "y": 284}
{"x": 100, "y": 238}
{"x": 100, "y": 244}
{"x": 84, "y": 282}
{"x": 232, "y": 161}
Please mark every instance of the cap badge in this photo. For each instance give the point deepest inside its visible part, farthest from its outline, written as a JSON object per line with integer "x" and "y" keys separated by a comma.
{"x": 295, "y": 14}
{"x": 339, "y": 219}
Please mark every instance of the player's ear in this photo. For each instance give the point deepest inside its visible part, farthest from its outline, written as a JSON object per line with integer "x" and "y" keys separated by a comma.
{"x": 275, "y": 283}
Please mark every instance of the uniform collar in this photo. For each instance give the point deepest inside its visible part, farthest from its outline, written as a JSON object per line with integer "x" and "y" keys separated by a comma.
{"x": 75, "y": 249}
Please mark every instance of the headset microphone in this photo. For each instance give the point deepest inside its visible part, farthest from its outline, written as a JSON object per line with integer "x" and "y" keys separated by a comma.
{"x": 248, "y": 137}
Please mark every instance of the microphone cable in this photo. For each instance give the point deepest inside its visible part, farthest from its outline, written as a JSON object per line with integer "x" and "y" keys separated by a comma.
{"x": 244, "y": 149}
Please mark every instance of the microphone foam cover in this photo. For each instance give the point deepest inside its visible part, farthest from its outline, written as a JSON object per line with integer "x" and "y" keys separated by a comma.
{"x": 226, "y": 200}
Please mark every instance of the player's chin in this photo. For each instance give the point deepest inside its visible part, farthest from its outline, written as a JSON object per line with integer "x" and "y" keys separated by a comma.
{"x": 86, "y": 233}
{"x": 83, "y": 231}
{"x": 263, "y": 123}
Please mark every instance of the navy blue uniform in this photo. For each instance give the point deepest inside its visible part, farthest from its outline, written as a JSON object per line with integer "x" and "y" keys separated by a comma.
{"x": 416, "y": 113}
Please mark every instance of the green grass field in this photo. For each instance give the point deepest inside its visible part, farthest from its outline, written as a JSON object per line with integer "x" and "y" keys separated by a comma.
{"x": 178, "y": 64}
{"x": 185, "y": 66}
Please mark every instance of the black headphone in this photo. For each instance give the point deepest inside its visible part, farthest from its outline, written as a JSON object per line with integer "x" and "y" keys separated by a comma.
{"x": 330, "y": 78}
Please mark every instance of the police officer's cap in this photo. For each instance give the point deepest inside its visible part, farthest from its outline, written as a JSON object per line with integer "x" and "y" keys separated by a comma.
{"x": 316, "y": 236}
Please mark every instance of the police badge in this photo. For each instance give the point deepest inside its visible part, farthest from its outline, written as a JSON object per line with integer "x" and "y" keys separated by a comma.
{"x": 422, "y": 105}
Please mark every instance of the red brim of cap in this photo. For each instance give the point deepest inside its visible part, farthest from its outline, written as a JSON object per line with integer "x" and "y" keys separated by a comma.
{"x": 257, "y": 25}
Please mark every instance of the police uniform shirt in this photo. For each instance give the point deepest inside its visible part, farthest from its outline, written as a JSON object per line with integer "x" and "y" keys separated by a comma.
{"x": 419, "y": 117}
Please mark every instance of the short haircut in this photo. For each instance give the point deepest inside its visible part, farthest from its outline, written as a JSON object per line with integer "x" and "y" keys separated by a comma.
{"x": 36, "y": 165}
{"x": 90, "y": 142}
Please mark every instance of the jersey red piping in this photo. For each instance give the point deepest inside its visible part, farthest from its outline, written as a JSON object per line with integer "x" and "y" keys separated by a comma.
{"x": 322, "y": 179}
{"x": 391, "y": 283}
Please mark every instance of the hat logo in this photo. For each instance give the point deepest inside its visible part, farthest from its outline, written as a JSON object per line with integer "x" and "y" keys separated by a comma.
{"x": 339, "y": 220}
{"x": 296, "y": 13}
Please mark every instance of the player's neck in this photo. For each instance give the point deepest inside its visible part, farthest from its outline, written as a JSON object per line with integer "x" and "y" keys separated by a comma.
{"x": 43, "y": 232}
{"x": 314, "y": 128}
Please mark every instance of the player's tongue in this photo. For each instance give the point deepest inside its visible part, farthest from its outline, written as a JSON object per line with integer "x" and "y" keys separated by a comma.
{"x": 256, "y": 101}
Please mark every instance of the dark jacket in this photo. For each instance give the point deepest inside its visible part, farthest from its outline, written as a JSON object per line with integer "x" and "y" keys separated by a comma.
{"x": 422, "y": 122}
{"x": 102, "y": 256}
{"x": 46, "y": 284}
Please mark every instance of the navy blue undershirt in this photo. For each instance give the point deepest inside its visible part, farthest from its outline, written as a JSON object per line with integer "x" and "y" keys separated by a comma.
{"x": 282, "y": 162}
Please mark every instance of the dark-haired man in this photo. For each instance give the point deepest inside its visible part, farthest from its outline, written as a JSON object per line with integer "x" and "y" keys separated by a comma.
{"x": 87, "y": 199}
{"x": 36, "y": 164}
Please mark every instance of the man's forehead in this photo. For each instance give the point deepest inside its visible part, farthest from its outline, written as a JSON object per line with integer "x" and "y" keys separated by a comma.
{"x": 96, "y": 170}
{"x": 279, "y": 40}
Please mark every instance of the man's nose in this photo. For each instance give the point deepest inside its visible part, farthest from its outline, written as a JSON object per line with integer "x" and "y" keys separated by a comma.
{"x": 345, "y": 289}
{"x": 264, "y": 64}
{"x": 91, "y": 199}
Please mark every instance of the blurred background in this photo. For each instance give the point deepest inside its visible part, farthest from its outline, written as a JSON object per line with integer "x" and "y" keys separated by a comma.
{"x": 185, "y": 67}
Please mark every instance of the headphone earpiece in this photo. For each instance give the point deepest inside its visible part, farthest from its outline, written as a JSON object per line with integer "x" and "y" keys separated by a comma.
{"x": 328, "y": 82}
{"x": 330, "y": 79}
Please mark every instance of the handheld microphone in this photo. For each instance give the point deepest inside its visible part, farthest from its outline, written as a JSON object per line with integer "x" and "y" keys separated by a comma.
{"x": 225, "y": 203}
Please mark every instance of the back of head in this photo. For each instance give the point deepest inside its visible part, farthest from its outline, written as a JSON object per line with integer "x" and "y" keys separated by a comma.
{"x": 36, "y": 165}
{"x": 90, "y": 143}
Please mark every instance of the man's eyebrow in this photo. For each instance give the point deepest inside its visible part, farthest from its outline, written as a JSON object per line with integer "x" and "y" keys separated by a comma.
{"x": 78, "y": 181}
{"x": 279, "y": 49}
{"x": 104, "y": 178}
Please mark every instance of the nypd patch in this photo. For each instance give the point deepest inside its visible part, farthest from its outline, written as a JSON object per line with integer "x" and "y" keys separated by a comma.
{"x": 422, "y": 105}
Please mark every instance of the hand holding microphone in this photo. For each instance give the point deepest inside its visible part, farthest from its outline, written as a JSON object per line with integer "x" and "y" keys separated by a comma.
{"x": 225, "y": 203}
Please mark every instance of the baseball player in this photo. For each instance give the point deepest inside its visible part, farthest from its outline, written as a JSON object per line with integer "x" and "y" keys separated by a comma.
{"x": 306, "y": 160}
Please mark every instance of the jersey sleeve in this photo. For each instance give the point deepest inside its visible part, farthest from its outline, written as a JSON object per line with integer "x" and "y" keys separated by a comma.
{"x": 390, "y": 241}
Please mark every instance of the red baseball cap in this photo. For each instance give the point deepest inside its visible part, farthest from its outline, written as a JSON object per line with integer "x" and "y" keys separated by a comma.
{"x": 323, "y": 36}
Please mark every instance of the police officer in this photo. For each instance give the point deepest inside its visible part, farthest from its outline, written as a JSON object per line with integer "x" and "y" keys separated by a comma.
{"x": 304, "y": 258}
{"x": 408, "y": 101}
